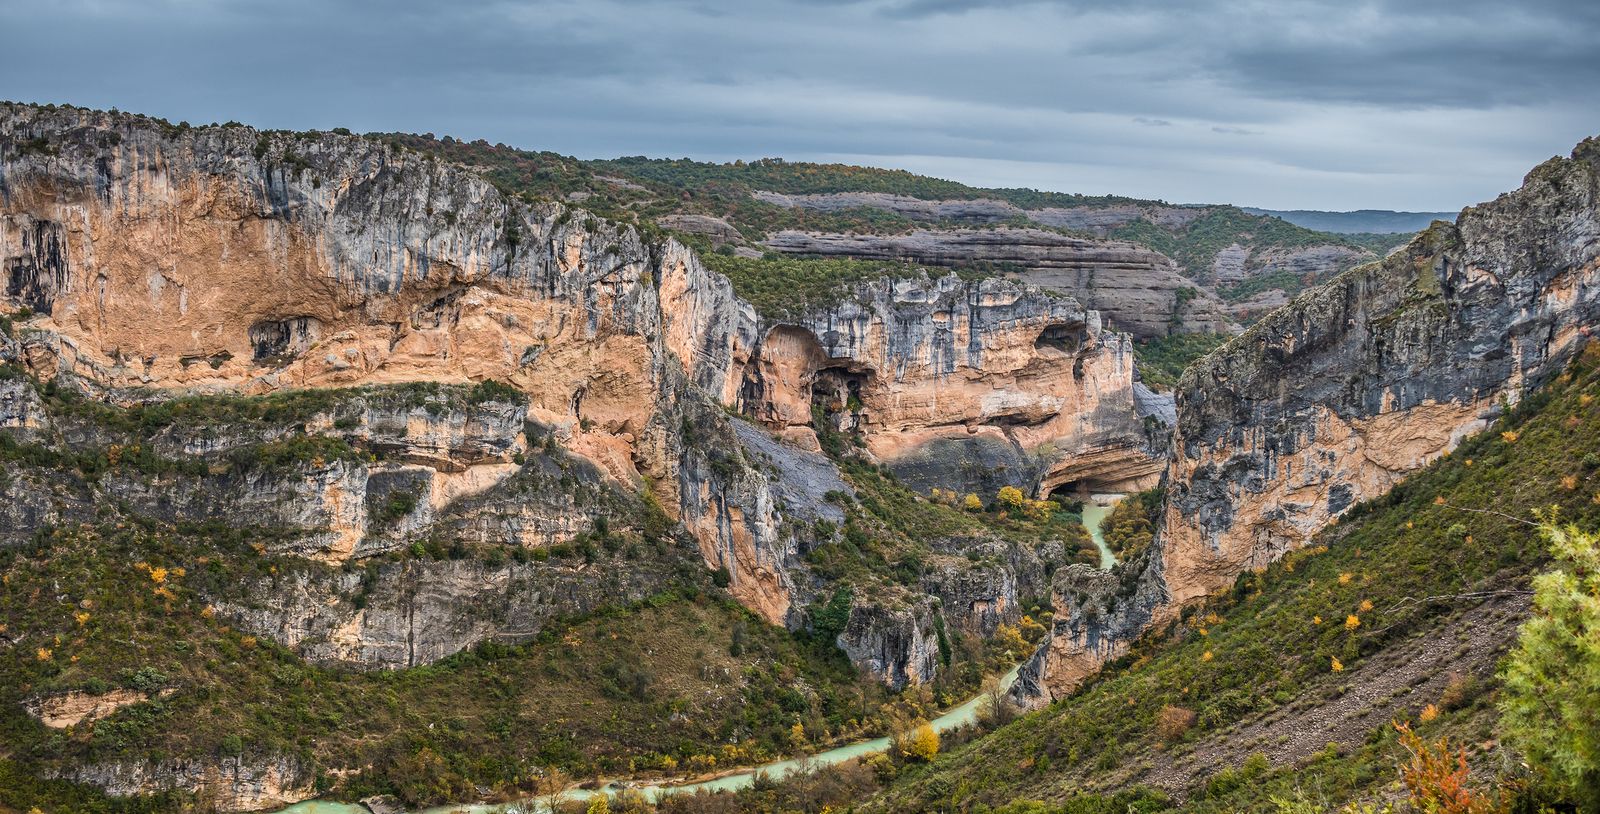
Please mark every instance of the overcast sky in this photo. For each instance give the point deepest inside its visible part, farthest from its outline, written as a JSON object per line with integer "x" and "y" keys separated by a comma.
{"x": 1396, "y": 104}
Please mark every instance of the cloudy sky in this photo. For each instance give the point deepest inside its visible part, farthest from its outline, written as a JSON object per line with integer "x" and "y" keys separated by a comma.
{"x": 1325, "y": 104}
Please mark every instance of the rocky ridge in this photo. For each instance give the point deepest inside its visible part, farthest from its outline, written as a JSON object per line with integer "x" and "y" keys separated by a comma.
{"x": 1129, "y": 283}
{"x": 1335, "y": 398}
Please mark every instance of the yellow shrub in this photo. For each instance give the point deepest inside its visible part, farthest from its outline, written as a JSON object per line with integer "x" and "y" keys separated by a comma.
{"x": 1030, "y": 629}
{"x": 1010, "y": 638}
{"x": 973, "y": 503}
{"x": 921, "y": 743}
{"x": 1010, "y": 497}
{"x": 1039, "y": 511}
{"x": 1173, "y": 721}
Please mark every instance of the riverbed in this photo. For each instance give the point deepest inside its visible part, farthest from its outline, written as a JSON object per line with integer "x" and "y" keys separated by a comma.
{"x": 961, "y": 715}
{"x": 966, "y": 713}
{"x": 1093, "y": 513}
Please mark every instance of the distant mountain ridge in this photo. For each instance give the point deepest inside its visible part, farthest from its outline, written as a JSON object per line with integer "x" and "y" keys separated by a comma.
{"x": 1360, "y": 221}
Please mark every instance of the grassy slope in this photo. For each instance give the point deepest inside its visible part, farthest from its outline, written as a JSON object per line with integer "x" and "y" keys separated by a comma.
{"x": 629, "y": 688}
{"x": 1269, "y": 659}
{"x": 658, "y": 687}
{"x": 637, "y": 688}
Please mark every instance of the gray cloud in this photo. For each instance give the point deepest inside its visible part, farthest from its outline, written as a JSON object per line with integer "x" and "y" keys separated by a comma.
{"x": 1421, "y": 104}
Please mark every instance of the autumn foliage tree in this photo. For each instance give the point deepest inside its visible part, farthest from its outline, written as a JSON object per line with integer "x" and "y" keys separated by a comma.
{"x": 1438, "y": 780}
{"x": 921, "y": 743}
{"x": 1010, "y": 497}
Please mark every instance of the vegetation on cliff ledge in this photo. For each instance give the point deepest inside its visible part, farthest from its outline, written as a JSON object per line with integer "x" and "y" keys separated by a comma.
{"x": 1448, "y": 549}
{"x": 684, "y": 682}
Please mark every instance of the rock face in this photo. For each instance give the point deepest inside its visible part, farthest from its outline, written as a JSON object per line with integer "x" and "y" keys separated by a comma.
{"x": 225, "y": 784}
{"x": 164, "y": 260}
{"x": 901, "y": 644}
{"x": 719, "y": 230}
{"x": 1335, "y": 398}
{"x": 413, "y": 613}
{"x": 1138, "y": 290}
{"x": 1236, "y": 264}
{"x": 961, "y": 385}
{"x": 1135, "y": 296}
{"x": 72, "y": 708}
{"x": 987, "y": 210}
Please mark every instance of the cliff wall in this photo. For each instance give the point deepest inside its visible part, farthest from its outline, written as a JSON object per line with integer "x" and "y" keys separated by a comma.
{"x": 1136, "y": 289}
{"x": 158, "y": 260}
{"x": 1338, "y": 396}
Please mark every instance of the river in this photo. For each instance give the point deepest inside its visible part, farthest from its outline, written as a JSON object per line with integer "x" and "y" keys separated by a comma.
{"x": 961, "y": 715}
{"x": 1093, "y": 513}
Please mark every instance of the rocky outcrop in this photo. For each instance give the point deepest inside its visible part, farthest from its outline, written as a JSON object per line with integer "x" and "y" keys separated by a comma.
{"x": 241, "y": 783}
{"x": 405, "y": 614}
{"x": 983, "y": 582}
{"x": 1237, "y": 264}
{"x": 958, "y": 385}
{"x": 1118, "y": 285}
{"x": 67, "y": 709}
{"x": 901, "y": 644}
{"x": 719, "y": 230}
{"x": 160, "y": 260}
{"x": 1136, "y": 289}
{"x": 1337, "y": 397}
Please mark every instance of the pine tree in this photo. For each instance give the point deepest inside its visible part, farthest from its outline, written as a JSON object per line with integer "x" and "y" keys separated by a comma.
{"x": 1551, "y": 705}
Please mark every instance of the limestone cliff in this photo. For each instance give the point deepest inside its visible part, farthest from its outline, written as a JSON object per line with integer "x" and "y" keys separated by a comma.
{"x": 989, "y": 210}
{"x": 1335, "y": 398}
{"x": 1138, "y": 290}
{"x": 1130, "y": 287}
{"x": 157, "y": 260}
{"x": 961, "y": 385}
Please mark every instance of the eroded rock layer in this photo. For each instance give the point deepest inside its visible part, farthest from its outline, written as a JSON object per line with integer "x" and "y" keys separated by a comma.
{"x": 1335, "y": 398}
{"x": 1138, "y": 290}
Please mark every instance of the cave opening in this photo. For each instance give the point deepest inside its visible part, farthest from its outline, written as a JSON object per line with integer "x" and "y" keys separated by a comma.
{"x": 1066, "y": 338}
{"x": 1072, "y": 495}
{"x": 838, "y": 396}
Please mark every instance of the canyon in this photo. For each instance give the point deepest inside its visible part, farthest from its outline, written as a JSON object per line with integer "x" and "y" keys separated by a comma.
{"x": 1335, "y": 398}
{"x": 157, "y": 261}
{"x": 454, "y": 416}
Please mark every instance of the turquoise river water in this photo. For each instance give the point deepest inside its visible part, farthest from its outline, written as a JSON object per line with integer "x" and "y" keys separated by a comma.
{"x": 958, "y": 716}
